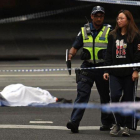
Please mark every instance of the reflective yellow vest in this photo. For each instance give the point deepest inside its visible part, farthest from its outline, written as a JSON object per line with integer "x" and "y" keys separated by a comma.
{"x": 101, "y": 41}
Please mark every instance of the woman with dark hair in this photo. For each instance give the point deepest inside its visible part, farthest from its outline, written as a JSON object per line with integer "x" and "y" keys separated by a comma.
{"x": 122, "y": 49}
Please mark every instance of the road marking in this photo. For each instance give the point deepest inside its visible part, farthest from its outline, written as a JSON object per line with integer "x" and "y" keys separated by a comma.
{"x": 44, "y": 75}
{"x": 67, "y": 89}
{"x": 70, "y": 89}
{"x": 33, "y": 127}
{"x": 40, "y": 122}
{"x": 41, "y": 75}
{"x": 61, "y": 89}
{"x": 38, "y": 119}
{"x": 49, "y": 127}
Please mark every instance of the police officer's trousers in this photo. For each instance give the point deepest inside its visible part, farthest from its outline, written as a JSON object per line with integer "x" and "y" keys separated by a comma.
{"x": 84, "y": 86}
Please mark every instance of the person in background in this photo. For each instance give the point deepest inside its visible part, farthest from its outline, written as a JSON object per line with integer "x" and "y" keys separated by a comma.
{"x": 123, "y": 49}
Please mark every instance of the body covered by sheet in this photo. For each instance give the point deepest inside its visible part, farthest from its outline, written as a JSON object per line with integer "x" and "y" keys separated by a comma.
{"x": 20, "y": 95}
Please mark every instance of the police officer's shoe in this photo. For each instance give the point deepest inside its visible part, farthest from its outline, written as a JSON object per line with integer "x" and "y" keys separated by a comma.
{"x": 73, "y": 126}
{"x": 105, "y": 127}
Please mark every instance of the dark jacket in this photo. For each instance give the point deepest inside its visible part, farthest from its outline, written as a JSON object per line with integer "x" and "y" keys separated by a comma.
{"x": 119, "y": 51}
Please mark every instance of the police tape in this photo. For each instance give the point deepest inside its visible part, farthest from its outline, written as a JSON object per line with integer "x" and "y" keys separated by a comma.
{"x": 122, "y": 2}
{"x": 55, "y": 12}
{"x": 135, "y": 65}
{"x": 125, "y": 108}
{"x": 41, "y": 14}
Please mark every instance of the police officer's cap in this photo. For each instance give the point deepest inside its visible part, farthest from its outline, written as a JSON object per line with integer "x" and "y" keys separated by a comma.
{"x": 97, "y": 9}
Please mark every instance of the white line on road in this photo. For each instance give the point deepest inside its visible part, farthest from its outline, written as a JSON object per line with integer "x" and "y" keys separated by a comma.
{"x": 39, "y": 75}
{"x": 34, "y": 127}
{"x": 46, "y": 75}
{"x": 70, "y": 89}
{"x": 66, "y": 89}
{"x": 40, "y": 122}
{"x": 49, "y": 127}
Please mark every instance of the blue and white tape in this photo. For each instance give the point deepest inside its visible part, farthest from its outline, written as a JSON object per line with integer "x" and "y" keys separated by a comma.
{"x": 65, "y": 69}
{"x": 122, "y": 2}
{"x": 125, "y": 108}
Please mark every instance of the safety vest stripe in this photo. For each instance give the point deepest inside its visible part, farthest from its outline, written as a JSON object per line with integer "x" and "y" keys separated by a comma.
{"x": 100, "y": 45}
{"x": 88, "y": 44}
{"x": 105, "y": 31}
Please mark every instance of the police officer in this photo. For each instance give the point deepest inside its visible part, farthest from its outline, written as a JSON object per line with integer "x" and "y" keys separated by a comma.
{"x": 93, "y": 38}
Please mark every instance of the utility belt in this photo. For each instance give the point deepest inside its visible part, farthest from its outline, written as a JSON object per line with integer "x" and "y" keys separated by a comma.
{"x": 97, "y": 61}
{"x": 94, "y": 64}
{"x": 79, "y": 72}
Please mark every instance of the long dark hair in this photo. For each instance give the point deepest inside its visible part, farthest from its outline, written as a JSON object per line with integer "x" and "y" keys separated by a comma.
{"x": 131, "y": 30}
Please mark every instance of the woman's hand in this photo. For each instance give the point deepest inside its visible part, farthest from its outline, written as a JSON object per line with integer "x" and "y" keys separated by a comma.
{"x": 139, "y": 47}
{"x": 106, "y": 76}
{"x": 135, "y": 75}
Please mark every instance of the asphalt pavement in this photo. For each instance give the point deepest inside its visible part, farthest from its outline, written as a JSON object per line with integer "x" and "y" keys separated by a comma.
{"x": 35, "y": 123}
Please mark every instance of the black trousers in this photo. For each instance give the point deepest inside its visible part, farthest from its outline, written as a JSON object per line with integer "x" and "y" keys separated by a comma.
{"x": 83, "y": 94}
{"x": 122, "y": 90}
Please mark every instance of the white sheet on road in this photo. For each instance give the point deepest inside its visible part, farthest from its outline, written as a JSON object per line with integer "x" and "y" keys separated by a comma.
{"x": 20, "y": 95}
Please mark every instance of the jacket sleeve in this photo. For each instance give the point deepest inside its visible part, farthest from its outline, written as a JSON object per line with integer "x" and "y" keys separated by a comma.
{"x": 78, "y": 43}
{"x": 108, "y": 56}
{"x": 136, "y": 52}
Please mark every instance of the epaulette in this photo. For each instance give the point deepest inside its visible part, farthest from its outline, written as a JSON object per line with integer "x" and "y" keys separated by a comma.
{"x": 108, "y": 25}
